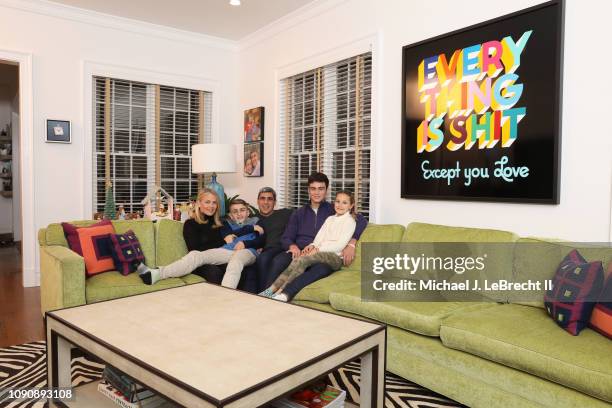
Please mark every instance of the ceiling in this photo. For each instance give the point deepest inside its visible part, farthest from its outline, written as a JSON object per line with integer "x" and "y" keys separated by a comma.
{"x": 211, "y": 17}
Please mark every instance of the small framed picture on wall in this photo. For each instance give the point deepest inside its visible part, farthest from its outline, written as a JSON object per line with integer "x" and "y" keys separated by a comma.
{"x": 254, "y": 125}
{"x": 58, "y": 131}
{"x": 253, "y": 160}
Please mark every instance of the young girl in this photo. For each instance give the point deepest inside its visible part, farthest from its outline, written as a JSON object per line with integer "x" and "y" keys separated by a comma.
{"x": 334, "y": 235}
{"x": 242, "y": 237}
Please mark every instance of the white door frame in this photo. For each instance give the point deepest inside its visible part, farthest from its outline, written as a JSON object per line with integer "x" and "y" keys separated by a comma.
{"x": 26, "y": 159}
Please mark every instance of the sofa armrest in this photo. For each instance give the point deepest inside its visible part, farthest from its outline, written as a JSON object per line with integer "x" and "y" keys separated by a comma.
{"x": 62, "y": 278}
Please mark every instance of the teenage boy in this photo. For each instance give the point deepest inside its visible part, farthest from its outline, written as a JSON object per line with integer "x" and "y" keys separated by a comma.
{"x": 301, "y": 230}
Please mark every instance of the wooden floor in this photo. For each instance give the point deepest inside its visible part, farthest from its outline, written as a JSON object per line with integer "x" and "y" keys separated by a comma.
{"x": 20, "y": 318}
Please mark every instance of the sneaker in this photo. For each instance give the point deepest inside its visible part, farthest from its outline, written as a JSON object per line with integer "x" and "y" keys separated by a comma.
{"x": 267, "y": 293}
{"x": 281, "y": 296}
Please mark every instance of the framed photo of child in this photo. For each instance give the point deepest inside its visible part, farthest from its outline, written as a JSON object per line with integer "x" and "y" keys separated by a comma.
{"x": 253, "y": 159}
{"x": 254, "y": 125}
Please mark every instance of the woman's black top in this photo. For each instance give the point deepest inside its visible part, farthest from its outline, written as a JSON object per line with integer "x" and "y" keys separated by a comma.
{"x": 200, "y": 237}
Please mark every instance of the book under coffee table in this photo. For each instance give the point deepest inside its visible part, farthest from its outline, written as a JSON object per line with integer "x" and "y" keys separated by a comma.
{"x": 207, "y": 346}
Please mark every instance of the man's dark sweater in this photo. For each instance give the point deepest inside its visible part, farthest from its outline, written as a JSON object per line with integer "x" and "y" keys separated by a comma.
{"x": 274, "y": 226}
{"x": 305, "y": 223}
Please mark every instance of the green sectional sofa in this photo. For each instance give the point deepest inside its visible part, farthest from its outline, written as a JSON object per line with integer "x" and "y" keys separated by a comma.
{"x": 482, "y": 354}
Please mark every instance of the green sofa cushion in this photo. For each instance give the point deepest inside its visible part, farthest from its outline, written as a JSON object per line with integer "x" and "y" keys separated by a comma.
{"x": 474, "y": 381}
{"x": 145, "y": 233}
{"x": 526, "y": 338}
{"x": 169, "y": 242}
{"x": 191, "y": 279}
{"x": 113, "y": 285}
{"x": 538, "y": 259}
{"x": 320, "y": 290}
{"x": 421, "y": 232}
{"x": 376, "y": 233}
{"x": 419, "y": 317}
{"x": 498, "y": 267}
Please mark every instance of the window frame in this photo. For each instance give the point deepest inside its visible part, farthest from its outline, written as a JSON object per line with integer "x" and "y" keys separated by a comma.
{"x": 153, "y": 170}
{"x": 292, "y": 190}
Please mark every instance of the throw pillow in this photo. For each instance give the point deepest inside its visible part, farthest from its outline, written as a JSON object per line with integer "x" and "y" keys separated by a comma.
{"x": 97, "y": 248}
{"x": 601, "y": 319}
{"x": 127, "y": 253}
{"x": 70, "y": 232}
{"x": 575, "y": 288}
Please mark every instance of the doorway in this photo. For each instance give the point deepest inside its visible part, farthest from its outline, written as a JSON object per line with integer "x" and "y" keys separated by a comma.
{"x": 10, "y": 197}
{"x": 19, "y": 305}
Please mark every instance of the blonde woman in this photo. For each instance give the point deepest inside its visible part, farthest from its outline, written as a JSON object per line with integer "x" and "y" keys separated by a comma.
{"x": 241, "y": 237}
{"x": 201, "y": 233}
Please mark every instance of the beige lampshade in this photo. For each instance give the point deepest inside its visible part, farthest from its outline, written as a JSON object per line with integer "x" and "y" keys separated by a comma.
{"x": 213, "y": 158}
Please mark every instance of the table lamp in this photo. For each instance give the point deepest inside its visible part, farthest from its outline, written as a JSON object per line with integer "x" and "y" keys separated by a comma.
{"x": 214, "y": 158}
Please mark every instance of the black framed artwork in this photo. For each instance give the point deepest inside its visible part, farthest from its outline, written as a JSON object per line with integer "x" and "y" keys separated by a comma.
{"x": 481, "y": 110}
{"x": 58, "y": 131}
{"x": 253, "y": 159}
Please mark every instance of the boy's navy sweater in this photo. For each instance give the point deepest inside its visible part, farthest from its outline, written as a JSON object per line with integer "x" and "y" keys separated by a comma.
{"x": 244, "y": 233}
{"x": 305, "y": 223}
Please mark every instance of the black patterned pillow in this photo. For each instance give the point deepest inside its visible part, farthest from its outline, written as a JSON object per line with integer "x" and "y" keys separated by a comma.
{"x": 127, "y": 253}
{"x": 575, "y": 289}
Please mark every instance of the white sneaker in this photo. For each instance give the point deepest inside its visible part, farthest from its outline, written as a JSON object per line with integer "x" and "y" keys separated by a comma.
{"x": 282, "y": 297}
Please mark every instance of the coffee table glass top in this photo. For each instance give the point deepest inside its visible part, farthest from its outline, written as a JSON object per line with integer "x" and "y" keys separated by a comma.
{"x": 217, "y": 340}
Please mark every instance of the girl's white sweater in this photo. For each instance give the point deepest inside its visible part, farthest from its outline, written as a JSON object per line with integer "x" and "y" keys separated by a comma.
{"x": 335, "y": 233}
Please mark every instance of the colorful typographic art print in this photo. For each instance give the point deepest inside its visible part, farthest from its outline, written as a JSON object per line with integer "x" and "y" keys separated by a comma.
{"x": 481, "y": 110}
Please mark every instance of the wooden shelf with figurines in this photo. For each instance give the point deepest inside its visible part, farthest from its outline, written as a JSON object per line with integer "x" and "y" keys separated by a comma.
{"x": 6, "y": 163}
{"x": 157, "y": 205}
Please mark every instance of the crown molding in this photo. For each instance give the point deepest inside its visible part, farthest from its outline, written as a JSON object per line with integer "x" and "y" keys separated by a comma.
{"x": 66, "y": 12}
{"x": 296, "y": 17}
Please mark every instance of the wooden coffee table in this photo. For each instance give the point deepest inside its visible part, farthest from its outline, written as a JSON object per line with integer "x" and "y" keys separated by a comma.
{"x": 207, "y": 346}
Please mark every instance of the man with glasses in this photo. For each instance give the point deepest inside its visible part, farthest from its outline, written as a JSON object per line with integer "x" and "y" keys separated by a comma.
{"x": 301, "y": 230}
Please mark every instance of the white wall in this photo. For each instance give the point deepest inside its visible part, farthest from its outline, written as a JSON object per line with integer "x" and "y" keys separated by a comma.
{"x": 586, "y": 166}
{"x": 62, "y": 41}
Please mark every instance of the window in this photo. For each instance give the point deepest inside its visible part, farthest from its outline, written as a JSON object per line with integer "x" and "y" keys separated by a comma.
{"x": 143, "y": 137}
{"x": 325, "y": 126}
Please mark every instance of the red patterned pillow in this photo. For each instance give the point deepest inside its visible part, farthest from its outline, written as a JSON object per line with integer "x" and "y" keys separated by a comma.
{"x": 97, "y": 248}
{"x": 601, "y": 319}
{"x": 127, "y": 253}
{"x": 70, "y": 232}
{"x": 576, "y": 288}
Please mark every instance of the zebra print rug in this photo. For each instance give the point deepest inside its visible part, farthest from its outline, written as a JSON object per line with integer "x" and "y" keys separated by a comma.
{"x": 25, "y": 366}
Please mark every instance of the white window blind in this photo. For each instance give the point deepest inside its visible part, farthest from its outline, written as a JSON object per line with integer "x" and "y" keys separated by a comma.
{"x": 143, "y": 137}
{"x": 325, "y": 126}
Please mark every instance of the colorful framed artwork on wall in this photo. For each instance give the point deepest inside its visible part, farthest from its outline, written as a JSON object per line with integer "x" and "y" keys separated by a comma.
{"x": 254, "y": 124}
{"x": 481, "y": 110}
{"x": 253, "y": 159}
